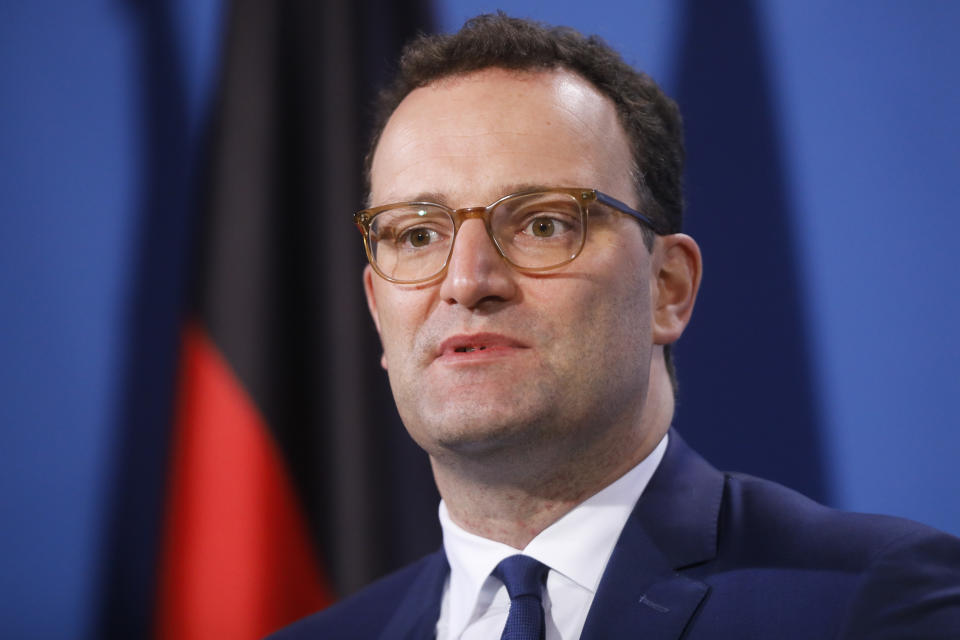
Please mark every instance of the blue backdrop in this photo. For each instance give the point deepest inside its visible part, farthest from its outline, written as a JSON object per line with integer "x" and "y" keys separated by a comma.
{"x": 824, "y": 173}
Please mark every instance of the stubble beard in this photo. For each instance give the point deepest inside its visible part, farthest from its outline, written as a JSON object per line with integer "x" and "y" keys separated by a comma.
{"x": 534, "y": 439}
{"x": 483, "y": 429}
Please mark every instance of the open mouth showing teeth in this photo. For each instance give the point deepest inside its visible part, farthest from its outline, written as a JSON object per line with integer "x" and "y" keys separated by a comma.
{"x": 469, "y": 349}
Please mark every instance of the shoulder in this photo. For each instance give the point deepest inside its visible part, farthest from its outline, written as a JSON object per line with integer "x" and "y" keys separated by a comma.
{"x": 756, "y": 510}
{"x": 884, "y": 577}
{"x": 368, "y": 612}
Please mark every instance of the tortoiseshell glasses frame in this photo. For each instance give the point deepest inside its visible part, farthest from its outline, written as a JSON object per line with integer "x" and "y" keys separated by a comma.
{"x": 534, "y": 230}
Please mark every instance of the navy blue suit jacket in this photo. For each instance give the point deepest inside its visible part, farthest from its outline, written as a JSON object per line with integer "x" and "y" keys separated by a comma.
{"x": 707, "y": 555}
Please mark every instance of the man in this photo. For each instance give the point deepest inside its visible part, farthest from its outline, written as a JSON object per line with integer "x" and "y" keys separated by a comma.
{"x": 527, "y": 277}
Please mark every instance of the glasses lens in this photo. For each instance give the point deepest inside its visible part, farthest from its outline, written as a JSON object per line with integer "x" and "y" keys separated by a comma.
{"x": 539, "y": 230}
{"x": 411, "y": 242}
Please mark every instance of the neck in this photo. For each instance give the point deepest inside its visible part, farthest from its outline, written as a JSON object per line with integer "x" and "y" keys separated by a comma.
{"x": 514, "y": 497}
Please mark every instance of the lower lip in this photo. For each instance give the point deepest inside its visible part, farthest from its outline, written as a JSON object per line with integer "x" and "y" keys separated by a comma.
{"x": 478, "y": 355}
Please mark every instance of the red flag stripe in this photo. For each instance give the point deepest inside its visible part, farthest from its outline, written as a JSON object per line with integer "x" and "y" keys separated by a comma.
{"x": 237, "y": 558}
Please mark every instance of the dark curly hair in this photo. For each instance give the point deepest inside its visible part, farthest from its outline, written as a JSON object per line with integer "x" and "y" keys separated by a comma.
{"x": 650, "y": 118}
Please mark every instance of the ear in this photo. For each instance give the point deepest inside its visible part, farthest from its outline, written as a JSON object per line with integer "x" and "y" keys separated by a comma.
{"x": 677, "y": 267}
{"x": 368, "y": 276}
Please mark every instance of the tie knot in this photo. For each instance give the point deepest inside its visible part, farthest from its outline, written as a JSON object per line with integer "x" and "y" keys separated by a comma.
{"x": 522, "y": 575}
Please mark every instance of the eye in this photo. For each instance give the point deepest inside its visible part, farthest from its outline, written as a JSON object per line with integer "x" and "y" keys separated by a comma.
{"x": 418, "y": 237}
{"x": 542, "y": 227}
{"x": 545, "y": 227}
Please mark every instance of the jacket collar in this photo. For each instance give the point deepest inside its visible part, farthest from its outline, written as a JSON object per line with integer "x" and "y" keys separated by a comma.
{"x": 673, "y": 526}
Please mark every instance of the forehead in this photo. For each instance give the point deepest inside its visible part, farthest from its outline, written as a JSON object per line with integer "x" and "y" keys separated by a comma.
{"x": 471, "y": 136}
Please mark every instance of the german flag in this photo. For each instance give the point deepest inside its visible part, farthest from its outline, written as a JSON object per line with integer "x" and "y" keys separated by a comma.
{"x": 274, "y": 466}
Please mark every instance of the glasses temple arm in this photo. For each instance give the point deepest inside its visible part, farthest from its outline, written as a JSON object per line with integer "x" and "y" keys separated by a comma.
{"x": 623, "y": 207}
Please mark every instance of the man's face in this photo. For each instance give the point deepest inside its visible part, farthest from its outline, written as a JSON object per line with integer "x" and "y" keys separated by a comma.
{"x": 486, "y": 359}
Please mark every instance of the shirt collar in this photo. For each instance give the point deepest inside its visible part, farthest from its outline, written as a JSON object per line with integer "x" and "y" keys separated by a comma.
{"x": 594, "y": 525}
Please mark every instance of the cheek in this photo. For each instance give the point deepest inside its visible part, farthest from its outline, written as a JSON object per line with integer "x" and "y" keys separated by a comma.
{"x": 596, "y": 322}
{"x": 401, "y": 315}
{"x": 618, "y": 318}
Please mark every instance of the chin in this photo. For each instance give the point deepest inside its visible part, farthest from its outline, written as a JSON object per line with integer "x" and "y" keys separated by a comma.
{"x": 482, "y": 437}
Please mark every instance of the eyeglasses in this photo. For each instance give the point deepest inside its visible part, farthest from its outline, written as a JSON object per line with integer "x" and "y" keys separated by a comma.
{"x": 411, "y": 242}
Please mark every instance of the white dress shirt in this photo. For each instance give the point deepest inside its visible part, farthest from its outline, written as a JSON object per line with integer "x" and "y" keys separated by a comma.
{"x": 576, "y": 548}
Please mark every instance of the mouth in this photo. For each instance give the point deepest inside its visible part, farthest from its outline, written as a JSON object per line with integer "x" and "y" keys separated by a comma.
{"x": 471, "y": 349}
{"x": 487, "y": 343}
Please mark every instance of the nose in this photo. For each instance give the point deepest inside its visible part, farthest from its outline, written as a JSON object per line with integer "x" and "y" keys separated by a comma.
{"x": 476, "y": 274}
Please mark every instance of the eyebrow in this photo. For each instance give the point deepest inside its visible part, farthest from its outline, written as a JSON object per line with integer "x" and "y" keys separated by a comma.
{"x": 439, "y": 197}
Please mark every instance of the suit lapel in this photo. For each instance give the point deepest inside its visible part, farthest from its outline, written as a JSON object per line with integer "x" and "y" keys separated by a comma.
{"x": 417, "y": 613}
{"x": 674, "y": 525}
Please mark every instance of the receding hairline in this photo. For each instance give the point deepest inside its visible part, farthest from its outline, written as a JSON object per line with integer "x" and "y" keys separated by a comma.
{"x": 452, "y": 80}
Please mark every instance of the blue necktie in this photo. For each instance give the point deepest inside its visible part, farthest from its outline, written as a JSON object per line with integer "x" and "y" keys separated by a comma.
{"x": 524, "y": 577}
